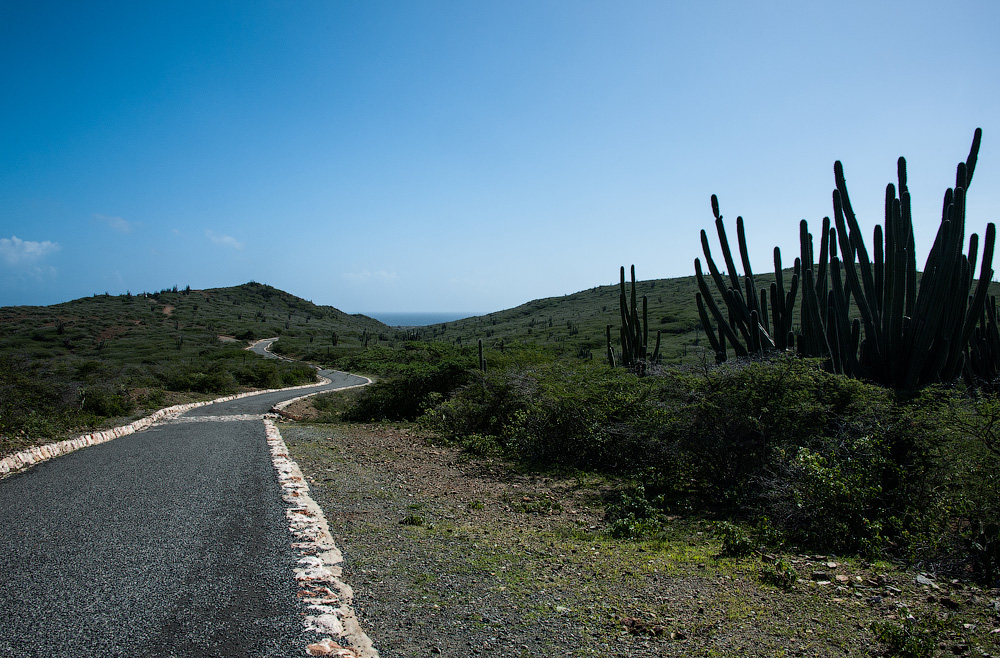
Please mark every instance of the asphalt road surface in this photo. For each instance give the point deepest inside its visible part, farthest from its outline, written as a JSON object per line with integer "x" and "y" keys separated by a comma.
{"x": 168, "y": 542}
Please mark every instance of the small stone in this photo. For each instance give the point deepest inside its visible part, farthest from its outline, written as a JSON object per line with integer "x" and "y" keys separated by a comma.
{"x": 820, "y": 575}
{"x": 327, "y": 648}
{"x": 843, "y": 578}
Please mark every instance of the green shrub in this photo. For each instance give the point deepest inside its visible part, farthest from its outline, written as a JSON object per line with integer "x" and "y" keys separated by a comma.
{"x": 409, "y": 392}
{"x": 744, "y": 418}
{"x": 579, "y": 416}
{"x": 779, "y": 574}
{"x": 736, "y": 542}
{"x": 106, "y": 402}
{"x": 910, "y": 638}
{"x": 634, "y": 516}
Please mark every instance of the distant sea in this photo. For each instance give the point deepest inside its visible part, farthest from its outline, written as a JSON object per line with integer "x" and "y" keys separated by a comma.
{"x": 417, "y": 319}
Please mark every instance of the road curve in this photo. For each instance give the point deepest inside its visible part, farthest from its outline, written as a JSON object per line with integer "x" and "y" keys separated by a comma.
{"x": 172, "y": 541}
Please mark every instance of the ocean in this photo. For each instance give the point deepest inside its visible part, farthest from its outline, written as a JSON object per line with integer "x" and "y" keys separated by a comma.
{"x": 418, "y": 319}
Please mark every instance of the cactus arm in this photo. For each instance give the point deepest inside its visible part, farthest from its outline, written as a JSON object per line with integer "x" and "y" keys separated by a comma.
{"x": 725, "y": 331}
{"x": 848, "y": 248}
{"x": 978, "y": 304}
{"x": 864, "y": 264}
{"x": 727, "y": 254}
{"x": 970, "y": 162}
{"x": 751, "y": 285}
{"x": 707, "y": 326}
{"x": 821, "y": 271}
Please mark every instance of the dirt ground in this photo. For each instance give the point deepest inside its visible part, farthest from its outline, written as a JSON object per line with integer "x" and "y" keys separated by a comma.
{"x": 456, "y": 556}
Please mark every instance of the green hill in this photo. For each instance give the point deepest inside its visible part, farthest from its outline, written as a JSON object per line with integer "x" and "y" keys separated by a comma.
{"x": 94, "y": 360}
{"x": 575, "y": 324}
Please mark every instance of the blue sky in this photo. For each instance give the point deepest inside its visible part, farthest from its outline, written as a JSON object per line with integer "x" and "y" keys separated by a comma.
{"x": 464, "y": 156}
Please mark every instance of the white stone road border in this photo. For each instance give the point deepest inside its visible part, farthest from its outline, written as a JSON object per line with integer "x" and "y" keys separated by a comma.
{"x": 329, "y": 598}
{"x": 36, "y": 454}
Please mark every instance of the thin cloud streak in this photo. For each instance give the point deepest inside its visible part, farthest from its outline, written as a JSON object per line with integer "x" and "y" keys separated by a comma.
{"x": 223, "y": 240}
{"x": 119, "y": 224}
{"x": 15, "y": 251}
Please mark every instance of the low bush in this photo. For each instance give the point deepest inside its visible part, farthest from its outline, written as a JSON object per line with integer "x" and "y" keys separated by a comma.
{"x": 784, "y": 450}
{"x": 414, "y": 379}
{"x": 552, "y": 414}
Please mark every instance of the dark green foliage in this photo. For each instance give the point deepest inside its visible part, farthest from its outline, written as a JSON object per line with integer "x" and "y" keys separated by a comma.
{"x": 106, "y": 401}
{"x": 634, "y": 516}
{"x": 795, "y": 453}
{"x": 779, "y": 574}
{"x": 908, "y": 638}
{"x": 982, "y": 542}
{"x": 736, "y": 542}
{"x": 550, "y": 414}
{"x": 414, "y": 378}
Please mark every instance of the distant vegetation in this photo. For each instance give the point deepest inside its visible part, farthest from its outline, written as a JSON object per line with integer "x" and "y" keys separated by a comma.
{"x": 74, "y": 366}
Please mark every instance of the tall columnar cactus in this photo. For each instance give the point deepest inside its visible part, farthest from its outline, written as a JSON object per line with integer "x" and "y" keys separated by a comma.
{"x": 753, "y": 324}
{"x": 914, "y": 334}
{"x": 634, "y": 333}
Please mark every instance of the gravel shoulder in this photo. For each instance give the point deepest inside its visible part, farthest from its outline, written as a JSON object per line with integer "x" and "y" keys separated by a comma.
{"x": 456, "y": 556}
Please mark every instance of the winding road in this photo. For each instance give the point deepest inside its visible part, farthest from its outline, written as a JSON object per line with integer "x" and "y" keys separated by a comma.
{"x": 172, "y": 541}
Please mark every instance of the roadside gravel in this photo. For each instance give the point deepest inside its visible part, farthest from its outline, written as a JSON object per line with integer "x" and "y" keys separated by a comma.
{"x": 452, "y": 556}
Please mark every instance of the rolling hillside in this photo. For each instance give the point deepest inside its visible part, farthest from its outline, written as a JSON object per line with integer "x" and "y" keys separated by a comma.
{"x": 83, "y": 363}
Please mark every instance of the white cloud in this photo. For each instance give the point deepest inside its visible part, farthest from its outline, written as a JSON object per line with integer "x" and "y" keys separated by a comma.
{"x": 365, "y": 276}
{"x": 117, "y": 223}
{"x": 16, "y": 251}
{"x": 224, "y": 240}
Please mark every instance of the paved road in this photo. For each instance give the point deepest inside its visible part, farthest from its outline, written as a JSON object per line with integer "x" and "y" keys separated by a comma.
{"x": 168, "y": 542}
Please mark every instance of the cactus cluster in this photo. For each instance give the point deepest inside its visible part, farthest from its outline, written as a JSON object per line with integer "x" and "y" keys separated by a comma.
{"x": 869, "y": 316}
{"x": 754, "y": 324}
{"x": 633, "y": 333}
{"x": 914, "y": 334}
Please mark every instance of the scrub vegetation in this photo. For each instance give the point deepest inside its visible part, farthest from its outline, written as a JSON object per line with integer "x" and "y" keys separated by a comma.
{"x": 82, "y": 364}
